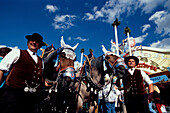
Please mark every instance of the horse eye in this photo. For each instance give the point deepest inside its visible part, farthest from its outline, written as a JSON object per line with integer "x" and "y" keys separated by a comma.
{"x": 107, "y": 57}
{"x": 62, "y": 55}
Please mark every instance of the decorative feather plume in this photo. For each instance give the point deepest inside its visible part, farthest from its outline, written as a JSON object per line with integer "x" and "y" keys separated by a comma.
{"x": 104, "y": 49}
{"x": 66, "y": 45}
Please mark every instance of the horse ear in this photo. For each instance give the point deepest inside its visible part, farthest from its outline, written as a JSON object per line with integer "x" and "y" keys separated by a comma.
{"x": 62, "y": 42}
{"x": 75, "y": 46}
{"x": 104, "y": 49}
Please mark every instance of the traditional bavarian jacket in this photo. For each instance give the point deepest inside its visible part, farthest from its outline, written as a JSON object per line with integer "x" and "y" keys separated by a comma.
{"x": 134, "y": 82}
{"x": 25, "y": 71}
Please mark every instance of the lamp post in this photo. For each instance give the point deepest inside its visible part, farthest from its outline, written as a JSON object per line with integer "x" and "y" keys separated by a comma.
{"x": 127, "y": 32}
{"x": 82, "y": 52}
{"x": 115, "y": 24}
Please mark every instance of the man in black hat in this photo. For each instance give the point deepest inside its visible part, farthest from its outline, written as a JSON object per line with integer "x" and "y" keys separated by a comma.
{"x": 136, "y": 98}
{"x": 24, "y": 82}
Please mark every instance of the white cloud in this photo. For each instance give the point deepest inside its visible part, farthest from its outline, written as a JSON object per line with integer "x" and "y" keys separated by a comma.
{"x": 162, "y": 44}
{"x": 148, "y": 6}
{"x": 51, "y": 8}
{"x": 94, "y": 8}
{"x": 69, "y": 38}
{"x": 63, "y": 21}
{"x": 167, "y": 5}
{"x": 114, "y": 8}
{"x": 88, "y": 16}
{"x": 111, "y": 9}
{"x": 145, "y": 27}
{"x": 140, "y": 39}
{"x": 79, "y": 38}
{"x": 161, "y": 19}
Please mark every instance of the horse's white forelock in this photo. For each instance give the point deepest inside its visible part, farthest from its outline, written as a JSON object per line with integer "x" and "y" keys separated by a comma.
{"x": 66, "y": 45}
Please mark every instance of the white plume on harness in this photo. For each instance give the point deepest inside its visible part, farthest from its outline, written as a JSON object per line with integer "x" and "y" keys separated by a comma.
{"x": 68, "y": 50}
{"x": 105, "y": 54}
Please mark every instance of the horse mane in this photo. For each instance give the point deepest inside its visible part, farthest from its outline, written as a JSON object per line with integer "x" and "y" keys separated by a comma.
{"x": 98, "y": 63}
{"x": 49, "y": 64}
{"x": 48, "y": 51}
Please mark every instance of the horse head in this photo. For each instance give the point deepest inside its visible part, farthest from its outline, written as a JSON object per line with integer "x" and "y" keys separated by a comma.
{"x": 47, "y": 51}
{"x": 59, "y": 74}
{"x": 114, "y": 64}
{"x": 94, "y": 72}
{"x": 66, "y": 59}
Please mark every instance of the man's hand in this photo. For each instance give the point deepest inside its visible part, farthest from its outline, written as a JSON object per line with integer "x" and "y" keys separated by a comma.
{"x": 150, "y": 97}
{"x": 151, "y": 90}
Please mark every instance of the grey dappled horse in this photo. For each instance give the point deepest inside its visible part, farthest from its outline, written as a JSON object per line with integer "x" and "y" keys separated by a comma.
{"x": 91, "y": 77}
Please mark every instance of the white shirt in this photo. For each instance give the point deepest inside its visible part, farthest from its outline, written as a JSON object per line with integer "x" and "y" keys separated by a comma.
{"x": 100, "y": 95}
{"x": 144, "y": 75}
{"x": 12, "y": 57}
{"x": 112, "y": 95}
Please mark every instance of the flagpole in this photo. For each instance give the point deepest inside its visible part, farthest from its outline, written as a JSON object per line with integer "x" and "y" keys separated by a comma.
{"x": 82, "y": 52}
{"x": 115, "y": 24}
{"x": 130, "y": 52}
{"x": 116, "y": 38}
{"x": 127, "y": 32}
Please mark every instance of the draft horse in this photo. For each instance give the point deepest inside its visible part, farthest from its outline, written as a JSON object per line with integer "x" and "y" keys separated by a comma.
{"x": 60, "y": 77}
{"x": 92, "y": 77}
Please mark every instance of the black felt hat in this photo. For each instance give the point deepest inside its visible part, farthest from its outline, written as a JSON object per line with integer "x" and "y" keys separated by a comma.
{"x": 131, "y": 57}
{"x": 37, "y": 37}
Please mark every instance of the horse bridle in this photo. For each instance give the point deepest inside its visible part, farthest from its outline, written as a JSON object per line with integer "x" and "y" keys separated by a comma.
{"x": 119, "y": 61}
{"x": 67, "y": 72}
{"x": 116, "y": 64}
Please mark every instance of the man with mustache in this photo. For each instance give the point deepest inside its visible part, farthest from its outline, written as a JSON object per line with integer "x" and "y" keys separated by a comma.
{"x": 135, "y": 94}
{"x": 24, "y": 82}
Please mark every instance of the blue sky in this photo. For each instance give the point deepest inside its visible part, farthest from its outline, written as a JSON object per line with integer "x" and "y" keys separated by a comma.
{"x": 87, "y": 22}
